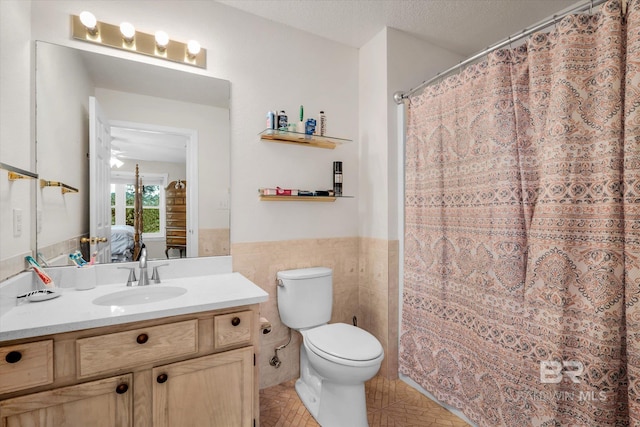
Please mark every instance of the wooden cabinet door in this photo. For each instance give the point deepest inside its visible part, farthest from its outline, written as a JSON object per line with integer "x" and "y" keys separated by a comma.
{"x": 102, "y": 403}
{"x": 212, "y": 391}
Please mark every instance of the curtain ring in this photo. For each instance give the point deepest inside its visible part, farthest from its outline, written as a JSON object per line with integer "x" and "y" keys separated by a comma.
{"x": 591, "y": 8}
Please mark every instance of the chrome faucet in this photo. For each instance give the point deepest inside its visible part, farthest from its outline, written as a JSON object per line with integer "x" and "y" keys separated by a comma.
{"x": 144, "y": 275}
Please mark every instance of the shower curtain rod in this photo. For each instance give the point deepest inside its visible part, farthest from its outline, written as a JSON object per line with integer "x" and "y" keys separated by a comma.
{"x": 399, "y": 97}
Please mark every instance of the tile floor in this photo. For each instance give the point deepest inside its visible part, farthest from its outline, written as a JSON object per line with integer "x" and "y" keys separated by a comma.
{"x": 390, "y": 403}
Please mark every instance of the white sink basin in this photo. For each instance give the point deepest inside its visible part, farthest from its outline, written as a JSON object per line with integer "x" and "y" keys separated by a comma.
{"x": 140, "y": 295}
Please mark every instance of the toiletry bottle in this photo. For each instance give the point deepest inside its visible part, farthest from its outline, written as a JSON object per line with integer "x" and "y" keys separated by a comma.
{"x": 282, "y": 121}
{"x": 321, "y": 126}
{"x": 271, "y": 120}
{"x": 337, "y": 179}
{"x": 300, "y": 125}
{"x": 310, "y": 127}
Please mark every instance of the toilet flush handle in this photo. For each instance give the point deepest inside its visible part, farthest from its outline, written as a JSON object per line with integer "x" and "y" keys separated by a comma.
{"x": 280, "y": 283}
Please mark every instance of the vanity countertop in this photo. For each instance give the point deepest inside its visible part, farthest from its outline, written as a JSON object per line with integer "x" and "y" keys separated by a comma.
{"x": 74, "y": 309}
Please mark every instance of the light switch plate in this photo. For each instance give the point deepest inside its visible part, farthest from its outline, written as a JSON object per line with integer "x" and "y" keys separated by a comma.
{"x": 17, "y": 222}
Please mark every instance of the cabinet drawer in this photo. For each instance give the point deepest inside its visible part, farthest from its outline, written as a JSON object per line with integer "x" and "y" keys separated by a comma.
{"x": 172, "y": 192}
{"x": 176, "y": 208}
{"x": 177, "y": 223}
{"x": 232, "y": 329}
{"x": 176, "y": 201}
{"x": 112, "y": 352}
{"x": 26, "y": 365}
{"x": 176, "y": 232}
{"x": 177, "y": 216}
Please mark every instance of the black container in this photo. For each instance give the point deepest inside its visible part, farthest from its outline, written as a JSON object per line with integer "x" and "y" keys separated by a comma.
{"x": 282, "y": 120}
{"x": 337, "y": 178}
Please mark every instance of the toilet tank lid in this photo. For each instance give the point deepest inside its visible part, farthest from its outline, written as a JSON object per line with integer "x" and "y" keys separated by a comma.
{"x": 304, "y": 273}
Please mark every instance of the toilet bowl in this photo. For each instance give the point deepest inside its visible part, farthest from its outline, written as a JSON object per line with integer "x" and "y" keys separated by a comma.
{"x": 341, "y": 370}
{"x": 335, "y": 359}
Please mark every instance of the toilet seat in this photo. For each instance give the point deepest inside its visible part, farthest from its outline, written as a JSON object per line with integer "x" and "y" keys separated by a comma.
{"x": 344, "y": 344}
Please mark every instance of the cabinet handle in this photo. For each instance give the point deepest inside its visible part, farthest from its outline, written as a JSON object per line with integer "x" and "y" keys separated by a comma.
{"x": 142, "y": 338}
{"x": 122, "y": 388}
{"x": 13, "y": 357}
{"x": 235, "y": 321}
{"x": 162, "y": 378}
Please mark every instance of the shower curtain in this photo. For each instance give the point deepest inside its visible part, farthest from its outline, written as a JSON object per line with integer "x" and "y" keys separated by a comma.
{"x": 522, "y": 230}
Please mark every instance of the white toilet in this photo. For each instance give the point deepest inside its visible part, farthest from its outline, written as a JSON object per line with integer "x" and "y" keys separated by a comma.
{"x": 335, "y": 359}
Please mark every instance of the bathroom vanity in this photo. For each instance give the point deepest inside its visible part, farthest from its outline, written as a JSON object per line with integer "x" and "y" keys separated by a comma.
{"x": 185, "y": 360}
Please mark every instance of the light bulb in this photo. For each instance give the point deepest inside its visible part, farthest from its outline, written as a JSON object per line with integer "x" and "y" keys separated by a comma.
{"x": 88, "y": 19}
{"x": 162, "y": 39}
{"x": 193, "y": 47}
{"x": 128, "y": 31}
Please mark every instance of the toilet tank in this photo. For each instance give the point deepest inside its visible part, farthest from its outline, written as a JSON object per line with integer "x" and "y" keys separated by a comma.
{"x": 305, "y": 297}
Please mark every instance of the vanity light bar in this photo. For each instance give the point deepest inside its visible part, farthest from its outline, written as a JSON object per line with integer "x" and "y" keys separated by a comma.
{"x": 110, "y": 35}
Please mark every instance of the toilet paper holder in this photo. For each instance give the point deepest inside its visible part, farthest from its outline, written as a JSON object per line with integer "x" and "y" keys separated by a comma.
{"x": 265, "y": 326}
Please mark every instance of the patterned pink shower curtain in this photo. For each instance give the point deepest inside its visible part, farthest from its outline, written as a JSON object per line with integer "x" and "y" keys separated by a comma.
{"x": 631, "y": 170}
{"x": 522, "y": 231}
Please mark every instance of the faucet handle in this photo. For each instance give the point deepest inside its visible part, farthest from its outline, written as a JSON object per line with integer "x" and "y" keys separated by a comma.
{"x": 155, "y": 276}
{"x": 132, "y": 275}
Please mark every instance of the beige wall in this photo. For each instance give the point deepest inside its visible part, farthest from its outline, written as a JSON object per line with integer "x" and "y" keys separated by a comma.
{"x": 261, "y": 261}
{"x": 323, "y": 77}
{"x": 213, "y": 241}
{"x": 16, "y": 133}
{"x": 327, "y": 76}
{"x": 365, "y": 285}
{"x": 378, "y": 297}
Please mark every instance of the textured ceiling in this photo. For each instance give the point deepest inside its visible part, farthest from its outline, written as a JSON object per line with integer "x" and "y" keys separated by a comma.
{"x": 461, "y": 26}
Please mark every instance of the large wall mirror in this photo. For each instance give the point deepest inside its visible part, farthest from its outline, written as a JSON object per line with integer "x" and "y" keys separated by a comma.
{"x": 167, "y": 130}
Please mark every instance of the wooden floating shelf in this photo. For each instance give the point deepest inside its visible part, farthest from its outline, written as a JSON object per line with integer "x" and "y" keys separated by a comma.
{"x": 298, "y": 198}
{"x": 286, "y": 137}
